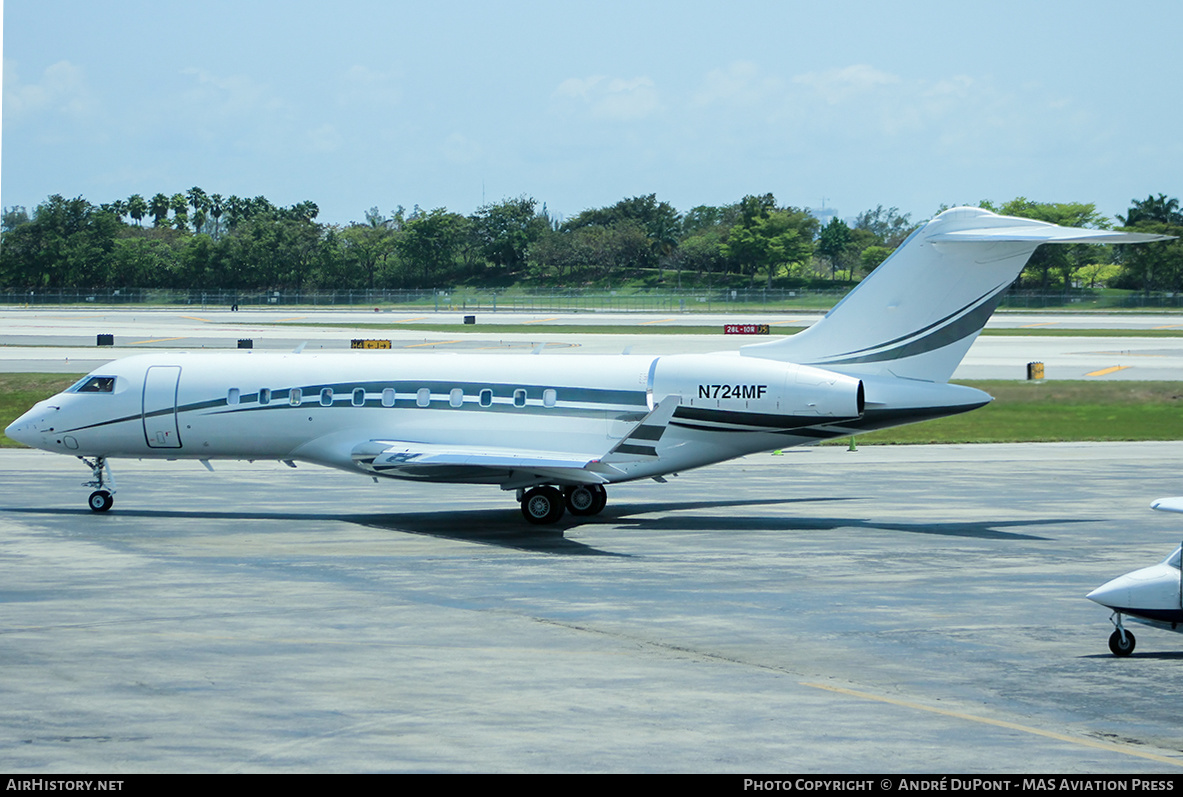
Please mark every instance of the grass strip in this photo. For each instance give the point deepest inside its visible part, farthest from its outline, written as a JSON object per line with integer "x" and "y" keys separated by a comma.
{"x": 1052, "y": 411}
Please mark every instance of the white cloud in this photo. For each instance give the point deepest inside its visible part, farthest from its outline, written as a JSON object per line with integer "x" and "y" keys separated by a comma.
{"x": 325, "y": 138}
{"x": 617, "y": 99}
{"x": 460, "y": 149}
{"x": 231, "y": 96}
{"x": 840, "y": 85}
{"x": 741, "y": 83}
{"x": 62, "y": 88}
{"x": 369, "y": 87}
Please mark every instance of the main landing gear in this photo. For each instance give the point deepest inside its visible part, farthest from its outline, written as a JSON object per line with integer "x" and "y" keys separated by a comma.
{"x": 544, "y": 504}
{"x": 102, "y": 498}
{"x": 1121, "y": 641}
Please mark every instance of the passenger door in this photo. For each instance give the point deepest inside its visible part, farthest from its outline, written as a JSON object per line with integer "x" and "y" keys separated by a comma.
{"x": 160, "y": 406}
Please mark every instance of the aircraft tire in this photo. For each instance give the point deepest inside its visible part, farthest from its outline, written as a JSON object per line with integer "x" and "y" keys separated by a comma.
{"x": 586, "y": 499}
{"x": 1116, "y": 645}
{"x": 543, "y": 505}
{"x": 100, "y": 501}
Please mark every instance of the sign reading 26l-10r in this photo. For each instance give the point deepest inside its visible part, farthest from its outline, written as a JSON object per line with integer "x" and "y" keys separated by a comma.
{"x": 732, "y": 391}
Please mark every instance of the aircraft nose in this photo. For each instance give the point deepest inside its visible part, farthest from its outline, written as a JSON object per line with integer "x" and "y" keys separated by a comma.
{"x": 1113, "y": 594}
{"x": 19, "y": 430}
{"x": 24, "y": 429}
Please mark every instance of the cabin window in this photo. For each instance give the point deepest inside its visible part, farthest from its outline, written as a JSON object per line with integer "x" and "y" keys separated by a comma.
{"x": 232, "y": 396}
{"x": 549, "y": 397}
{"x": 423, "y": 397}
{"x": 359, "y": 397}
{"x": 264, "y": 395}
{"x": 295, "y": 396}
{"x": 519, "y": 397}
{"x": 486, "y": 398}
{"x": 456, "y": 397}
{"x": 388, "y": 397}
{"x": 326, "y": 397}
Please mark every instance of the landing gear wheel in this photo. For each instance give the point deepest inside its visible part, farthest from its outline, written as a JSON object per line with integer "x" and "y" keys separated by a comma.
{"x": 1119, "y": 646}
{"x": 542, "y": 505}
{"x": 100, "y": 501}
{"x": 586, "y": 499}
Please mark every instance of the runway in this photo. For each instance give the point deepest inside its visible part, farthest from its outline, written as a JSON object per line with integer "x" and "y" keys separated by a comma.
{"x": 63, "y": 341}
{"x": 912, "y": 609}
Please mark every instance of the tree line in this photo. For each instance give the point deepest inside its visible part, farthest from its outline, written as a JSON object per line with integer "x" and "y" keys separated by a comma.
{"x": 199, "y": 240}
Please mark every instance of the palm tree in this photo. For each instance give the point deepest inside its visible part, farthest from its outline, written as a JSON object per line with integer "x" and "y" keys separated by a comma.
{"x": 216, "y": 209}
{"x": 137, "y": 208}
{"x": 1153, "y": 209}
{"x": 201, "y": 206}
{"x": 158, "y": 207}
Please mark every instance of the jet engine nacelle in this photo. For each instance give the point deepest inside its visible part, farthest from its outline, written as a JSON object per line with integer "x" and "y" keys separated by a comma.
{"x": 759, "y": 386}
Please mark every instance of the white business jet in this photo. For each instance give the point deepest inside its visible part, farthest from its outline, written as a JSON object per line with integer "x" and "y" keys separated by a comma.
{"x": 558, "y": 429}
{"x": 1151, "y": 595}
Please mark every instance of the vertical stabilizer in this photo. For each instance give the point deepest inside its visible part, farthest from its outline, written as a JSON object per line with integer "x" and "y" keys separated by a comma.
{"x": 918, "y": 313}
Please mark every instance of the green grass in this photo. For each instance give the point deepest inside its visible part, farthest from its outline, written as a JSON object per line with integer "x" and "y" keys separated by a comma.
{"x": 18, "y": 392}
{"x": 1042, "y": 411}
{"x": 1021, "y": 412}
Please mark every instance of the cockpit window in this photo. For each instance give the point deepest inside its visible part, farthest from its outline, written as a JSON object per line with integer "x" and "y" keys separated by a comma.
{"x": 96, "y": 384}
{"x": 1173, "y": 559}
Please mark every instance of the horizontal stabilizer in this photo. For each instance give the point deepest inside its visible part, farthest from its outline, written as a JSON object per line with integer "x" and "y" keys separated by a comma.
{"x": 1047, "y": 234}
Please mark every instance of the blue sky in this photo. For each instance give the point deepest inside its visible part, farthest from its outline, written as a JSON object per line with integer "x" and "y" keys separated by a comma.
{"x": 449, "y": 104}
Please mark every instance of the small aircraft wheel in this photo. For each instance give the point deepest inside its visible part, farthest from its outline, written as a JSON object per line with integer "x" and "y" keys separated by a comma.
{"x": 1121, "y": 647}
{"x": 101, "y": 501}
{"x": 543, "y": 505}
{"x": 585, "y": 499}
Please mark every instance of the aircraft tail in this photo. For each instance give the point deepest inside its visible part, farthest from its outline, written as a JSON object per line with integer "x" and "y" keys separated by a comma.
{"x": 918, "y": 313}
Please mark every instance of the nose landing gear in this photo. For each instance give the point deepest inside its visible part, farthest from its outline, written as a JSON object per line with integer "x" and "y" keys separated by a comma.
{"x": 1121, "y": 641}
{"x": 102, "y": 498}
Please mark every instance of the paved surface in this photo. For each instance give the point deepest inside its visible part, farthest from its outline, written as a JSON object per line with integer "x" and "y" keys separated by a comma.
{"x": 894, "y": 609}
{"x": 63, "y": 341}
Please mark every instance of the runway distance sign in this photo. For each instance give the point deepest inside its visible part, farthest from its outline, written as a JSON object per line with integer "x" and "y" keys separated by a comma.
{"x": 745, "y": 329}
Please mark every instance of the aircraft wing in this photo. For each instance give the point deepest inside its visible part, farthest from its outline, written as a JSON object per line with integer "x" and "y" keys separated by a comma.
{"x": 514, "y": 467}
{"x": 434, "y": 462}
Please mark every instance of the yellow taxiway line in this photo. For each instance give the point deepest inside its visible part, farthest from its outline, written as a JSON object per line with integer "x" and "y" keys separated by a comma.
{"x": 155, "y": 340}
{"x": 1106, "y": 371}
{"x": 432, "y": 343}
{"x": 1014, "y": 726}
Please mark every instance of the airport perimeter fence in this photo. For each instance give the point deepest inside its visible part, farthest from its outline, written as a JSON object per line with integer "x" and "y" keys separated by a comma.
{"x": 716, "y": 300}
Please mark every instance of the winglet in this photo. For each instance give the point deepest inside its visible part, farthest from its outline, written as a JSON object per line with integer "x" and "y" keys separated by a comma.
{"x": 642, "y": 441}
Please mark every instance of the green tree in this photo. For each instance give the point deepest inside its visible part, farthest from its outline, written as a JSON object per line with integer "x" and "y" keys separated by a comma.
{"x": 158, "y": 207}
{"x": 429, "y": 242}
{"x": 766, "y": 238}
{"x": 137, "y": 208}
{"x": 1060, "y": 260}
{"x": 504, "y": 231}
{"x": 1158, "y": 265}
